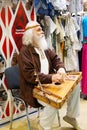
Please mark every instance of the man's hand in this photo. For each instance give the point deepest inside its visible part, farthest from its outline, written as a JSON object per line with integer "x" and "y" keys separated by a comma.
{"x": 59, "y": 77}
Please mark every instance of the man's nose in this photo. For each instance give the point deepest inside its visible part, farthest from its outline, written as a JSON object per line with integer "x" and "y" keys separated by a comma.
{"x": 42, "y": 32}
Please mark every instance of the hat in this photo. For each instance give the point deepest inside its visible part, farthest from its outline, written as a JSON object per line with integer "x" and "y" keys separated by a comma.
{"x": 31, "y": 24}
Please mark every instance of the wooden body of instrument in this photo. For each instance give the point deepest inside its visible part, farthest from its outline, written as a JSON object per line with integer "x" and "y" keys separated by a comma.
{"x": 56, "y": 95}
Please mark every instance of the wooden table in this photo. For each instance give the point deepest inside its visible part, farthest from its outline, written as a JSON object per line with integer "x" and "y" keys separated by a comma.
{"x": 57, "y": 95}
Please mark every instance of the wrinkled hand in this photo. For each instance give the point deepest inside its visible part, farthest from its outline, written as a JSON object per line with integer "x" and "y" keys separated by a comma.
{"x": 59, "y": 77}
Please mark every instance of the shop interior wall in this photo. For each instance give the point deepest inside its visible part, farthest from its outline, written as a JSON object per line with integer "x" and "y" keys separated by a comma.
{"x": 12, "y": 23}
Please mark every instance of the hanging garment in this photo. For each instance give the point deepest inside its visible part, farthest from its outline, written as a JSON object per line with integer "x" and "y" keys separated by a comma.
{"x": 61, "y": 33}
{"x": 44, "y": 7}
{"x": 70, "y": 56}
{"x": 75, "y": 6}
{"x": 72, "y": 46}
{"x": 51, "y": 27}
{"x": 59, "y": 4}
{"x": 60, "y": 37}
{"x": 84, "y": 56}
{"x": 84, "y": 28}
{"x": 84, "y": 69}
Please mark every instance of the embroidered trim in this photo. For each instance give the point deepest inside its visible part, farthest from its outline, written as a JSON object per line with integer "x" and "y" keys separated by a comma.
{"x": 31, "y": 27}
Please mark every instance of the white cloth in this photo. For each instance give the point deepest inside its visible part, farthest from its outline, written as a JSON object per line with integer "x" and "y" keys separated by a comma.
{"x": 51, "y": 27}
{"x": 44, "y": 62}
{"x": 59, "y": 4}
{"x": 73, "y": 104}
{"x": 49, "y": 113}
{"x": 72, "y": 45}
{"x": 75, "y": 6}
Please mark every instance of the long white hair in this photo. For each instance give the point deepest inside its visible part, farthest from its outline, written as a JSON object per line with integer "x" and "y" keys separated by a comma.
{"x": 27, "y": 37}
{"x": 28, "y": 34}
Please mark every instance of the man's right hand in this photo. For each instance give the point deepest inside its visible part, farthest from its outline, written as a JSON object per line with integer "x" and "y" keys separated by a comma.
{"x": 59, "y": 77}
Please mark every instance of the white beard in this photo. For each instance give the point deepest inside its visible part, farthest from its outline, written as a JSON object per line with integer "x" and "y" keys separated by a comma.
{"x": 41, "y": 42}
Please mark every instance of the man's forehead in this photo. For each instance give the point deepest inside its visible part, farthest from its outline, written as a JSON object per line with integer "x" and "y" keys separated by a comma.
{"x": 31, "y": 25}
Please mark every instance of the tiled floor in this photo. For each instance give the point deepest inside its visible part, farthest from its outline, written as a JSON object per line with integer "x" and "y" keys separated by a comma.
{"x": 22, "y": 124}
{"x": 82, "y": 119}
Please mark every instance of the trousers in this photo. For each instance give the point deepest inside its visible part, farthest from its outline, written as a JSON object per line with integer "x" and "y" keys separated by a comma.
{"x": 49, "y": 113}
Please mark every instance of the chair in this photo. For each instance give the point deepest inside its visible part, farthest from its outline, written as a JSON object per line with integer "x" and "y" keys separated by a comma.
{"x": 13, "y": 82}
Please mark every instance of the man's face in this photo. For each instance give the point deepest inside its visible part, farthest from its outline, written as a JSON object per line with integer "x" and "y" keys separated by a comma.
{"x": 39, "y": 40}
{"x": 38, "y": 33}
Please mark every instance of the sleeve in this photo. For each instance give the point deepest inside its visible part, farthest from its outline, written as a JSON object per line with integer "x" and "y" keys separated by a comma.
{"x": 27, "y": 70}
